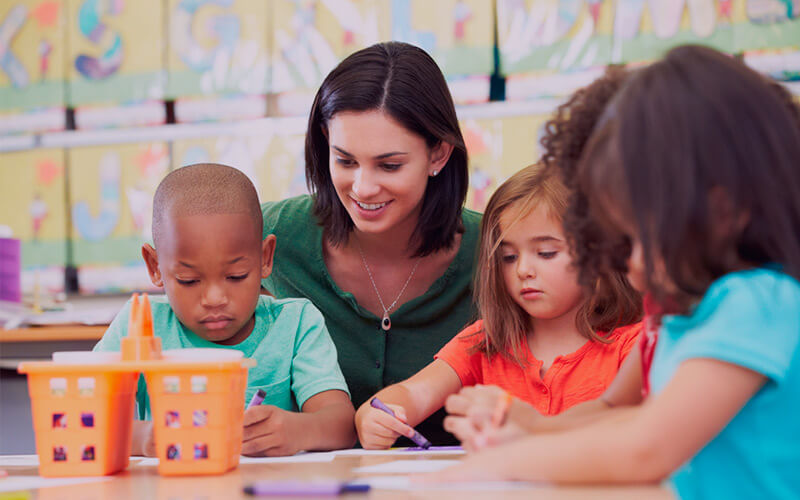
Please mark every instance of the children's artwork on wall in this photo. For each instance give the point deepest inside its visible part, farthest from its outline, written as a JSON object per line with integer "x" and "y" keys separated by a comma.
{"x": 553, "y": 35}
{"x": 286, "y": 161}
{"x": 111, "y": 191}
{"x": 498, "y": 147}
{"x": 766, "y": 24}
{"x": 116, "y": 54}
{"x": 218, "y": 48}
{"x": 779, "y": 64}
{"x": 32, "y": 86}
{"x": 247, "y": 154}
{"x": 644, "y": 30}
{"x": 458, "y": 34}
{"x": 33, "y": 205}
{"x": 310, "y": 37}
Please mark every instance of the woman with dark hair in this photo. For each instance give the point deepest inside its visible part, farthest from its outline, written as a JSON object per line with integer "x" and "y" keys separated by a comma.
{"x": 382, "y": 246}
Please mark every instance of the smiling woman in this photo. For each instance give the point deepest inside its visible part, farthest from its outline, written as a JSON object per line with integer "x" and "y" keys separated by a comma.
{"x": 383, "y": 246}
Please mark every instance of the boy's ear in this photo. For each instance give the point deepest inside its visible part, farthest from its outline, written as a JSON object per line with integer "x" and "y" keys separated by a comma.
{"x": 267, "y": 255}
{"x": 440, "y": 155}
{"x": 151, "y": 261}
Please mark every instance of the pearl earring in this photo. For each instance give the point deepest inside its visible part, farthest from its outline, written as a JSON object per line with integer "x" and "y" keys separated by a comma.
{"x": 435, "y": 173}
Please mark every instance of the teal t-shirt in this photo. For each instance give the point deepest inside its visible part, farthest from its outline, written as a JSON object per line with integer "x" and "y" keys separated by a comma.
{"x": 295, "y": 357}
{"x": 371, "y": 358}
{"x": 751, "y": 319}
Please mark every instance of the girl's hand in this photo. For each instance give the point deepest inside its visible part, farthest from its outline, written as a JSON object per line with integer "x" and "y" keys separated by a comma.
{"x": 477, "y": 403}
{"x": 270, "y": 431}
{"x": 478, "y": 438}
{"x": 377, "y": 430}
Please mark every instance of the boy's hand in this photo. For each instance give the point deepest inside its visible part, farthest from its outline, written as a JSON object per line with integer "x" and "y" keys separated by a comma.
{"x": 143, "y": 442}
{"x": 377, "y": 429}
{"x": 271, "y": 431}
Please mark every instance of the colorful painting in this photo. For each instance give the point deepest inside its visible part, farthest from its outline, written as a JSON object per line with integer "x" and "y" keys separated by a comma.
{"x": 111, "y": 191}
{"x": 553, "y": 35}
{"x": 218, "y": 47}
{"x": 273, "y": 159}
{"x": 498, "y": 147}
{"x": 32, "y": 87}
{"x": 33, "y": 205}
{"x": 459, "y": 34}
{"x": 116, "y": 51}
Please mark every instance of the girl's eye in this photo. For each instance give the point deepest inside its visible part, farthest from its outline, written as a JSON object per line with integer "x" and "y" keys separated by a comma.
{"x": 547, "y": 255}
{"x": 186, "y": 282}
{"x": 345, "y": 162}
{"x": 239, "y": 277}
{"x": 391, "y": 166}
{"x": 509, "y": 259}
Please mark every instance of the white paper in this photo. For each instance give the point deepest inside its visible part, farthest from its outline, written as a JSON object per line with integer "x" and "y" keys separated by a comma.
{"x": 301, "y": 457}
{"x": 19, "y": 460}
{"x": 406, "y": 467}
{"x": 17, "y": 483}
{"x": 445, "y": 450}
{"x": 405, "y": 483}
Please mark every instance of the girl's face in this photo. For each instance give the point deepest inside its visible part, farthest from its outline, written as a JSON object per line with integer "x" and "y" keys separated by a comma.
{"x": 536, "y": 264}
{"x": 380, "y": 169}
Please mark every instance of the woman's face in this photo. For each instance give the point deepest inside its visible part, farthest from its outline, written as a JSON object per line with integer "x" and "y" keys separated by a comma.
{"x": 380, "y": 169}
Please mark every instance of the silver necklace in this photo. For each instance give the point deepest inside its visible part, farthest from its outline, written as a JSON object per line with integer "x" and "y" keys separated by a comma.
{"x": 386, "y": 322}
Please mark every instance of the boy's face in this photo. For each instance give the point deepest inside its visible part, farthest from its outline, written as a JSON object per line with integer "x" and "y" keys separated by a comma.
{"x": 211, "y": 268}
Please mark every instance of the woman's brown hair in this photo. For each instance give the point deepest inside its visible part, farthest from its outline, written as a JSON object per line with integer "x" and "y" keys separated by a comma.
{"x": 681, "y": 131}
{"x": 609, "y": 303}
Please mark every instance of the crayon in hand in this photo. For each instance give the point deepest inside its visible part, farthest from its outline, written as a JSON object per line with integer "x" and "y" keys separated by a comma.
{"x": 418, "y": 438}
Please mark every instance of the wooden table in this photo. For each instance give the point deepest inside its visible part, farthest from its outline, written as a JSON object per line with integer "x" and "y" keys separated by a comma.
{"x": 53, "y": 333}
{"x": 145, "y": 483}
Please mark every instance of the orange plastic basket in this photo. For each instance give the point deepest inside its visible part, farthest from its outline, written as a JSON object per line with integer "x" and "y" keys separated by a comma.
{"x": 82, "y": 417}
{"x": 197, "y": 410}
{"x": 83, "y": 412}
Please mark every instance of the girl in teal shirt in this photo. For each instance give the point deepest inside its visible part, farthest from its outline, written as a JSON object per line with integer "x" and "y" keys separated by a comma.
{"x": 693, "y": 166}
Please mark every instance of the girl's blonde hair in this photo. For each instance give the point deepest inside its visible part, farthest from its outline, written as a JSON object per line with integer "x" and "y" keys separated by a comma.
{"x": 609, "y": 303}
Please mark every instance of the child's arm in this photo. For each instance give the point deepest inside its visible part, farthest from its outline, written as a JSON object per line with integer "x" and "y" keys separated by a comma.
{"x": 641, "y": 444}
{"x": 412, "y": 400}
{"x": 326, "y": 423}
{"x": 143, "y": 441}
{"x": 471, "y": 409}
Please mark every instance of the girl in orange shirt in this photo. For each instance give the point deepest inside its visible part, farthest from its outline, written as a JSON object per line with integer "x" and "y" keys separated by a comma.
{"x": 542, "y": 338}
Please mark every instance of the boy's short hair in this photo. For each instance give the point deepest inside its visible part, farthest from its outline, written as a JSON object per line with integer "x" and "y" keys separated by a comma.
{"x": 205, "y": 189}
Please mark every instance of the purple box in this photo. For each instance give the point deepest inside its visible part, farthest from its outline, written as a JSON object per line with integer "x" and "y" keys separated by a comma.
{"x": 10, "y": 270}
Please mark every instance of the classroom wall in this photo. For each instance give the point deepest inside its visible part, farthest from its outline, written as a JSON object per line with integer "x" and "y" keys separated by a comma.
{"x": 96, "y": 65}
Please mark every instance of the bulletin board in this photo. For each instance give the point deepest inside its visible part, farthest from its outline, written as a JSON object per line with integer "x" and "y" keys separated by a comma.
{"x": 111, "y": 191}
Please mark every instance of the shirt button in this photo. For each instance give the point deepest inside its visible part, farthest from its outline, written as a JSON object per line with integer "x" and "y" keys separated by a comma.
{"x": 544, "y": 390}
{"x": 377, "y": 364}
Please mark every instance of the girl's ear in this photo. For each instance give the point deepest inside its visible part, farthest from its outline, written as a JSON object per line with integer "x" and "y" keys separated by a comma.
{"x": 151, "y": 261}
{"x": 440, "y": 155}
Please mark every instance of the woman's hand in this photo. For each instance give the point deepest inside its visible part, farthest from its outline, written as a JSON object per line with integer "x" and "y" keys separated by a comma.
{"x": 378, "y": 430}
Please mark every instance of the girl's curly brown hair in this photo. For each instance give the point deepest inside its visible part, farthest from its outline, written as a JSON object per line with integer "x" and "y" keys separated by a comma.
{"x": 599, "y": 254}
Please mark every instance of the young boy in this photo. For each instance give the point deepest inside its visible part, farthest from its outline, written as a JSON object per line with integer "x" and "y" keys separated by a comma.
{"x": 210, "y": 258}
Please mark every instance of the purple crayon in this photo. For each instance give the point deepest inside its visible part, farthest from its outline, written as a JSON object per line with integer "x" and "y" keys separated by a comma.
{"x": 258, "y": 398}
{"x": 304, "y": 488}
{"x": 418, "y": 438}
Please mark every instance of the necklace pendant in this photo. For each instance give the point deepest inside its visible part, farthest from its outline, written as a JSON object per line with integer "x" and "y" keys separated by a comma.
{"x": 386, "y": 323}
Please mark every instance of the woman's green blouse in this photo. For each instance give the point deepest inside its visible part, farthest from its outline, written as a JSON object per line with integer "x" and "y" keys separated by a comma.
{"x": 371, "y": 358}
